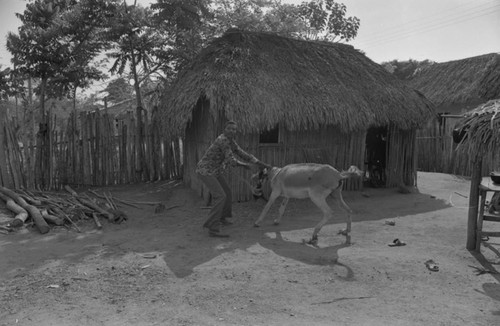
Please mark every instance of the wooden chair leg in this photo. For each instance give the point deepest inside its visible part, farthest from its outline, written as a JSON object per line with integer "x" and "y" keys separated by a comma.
{"x": 479, "y": 229}
{"x": 478, "y": 241}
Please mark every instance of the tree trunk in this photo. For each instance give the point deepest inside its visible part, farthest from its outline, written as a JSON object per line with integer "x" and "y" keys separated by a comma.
{"x": 35, "y": 214}
{"x": 140, "y": 166}
{"x": 41, "y": 162}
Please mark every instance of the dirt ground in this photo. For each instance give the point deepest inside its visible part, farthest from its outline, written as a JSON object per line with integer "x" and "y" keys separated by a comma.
{"x": 163, "y": 269}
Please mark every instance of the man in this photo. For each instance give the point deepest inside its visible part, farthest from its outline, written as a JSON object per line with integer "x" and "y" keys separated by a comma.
{"x": 221, "y": 154}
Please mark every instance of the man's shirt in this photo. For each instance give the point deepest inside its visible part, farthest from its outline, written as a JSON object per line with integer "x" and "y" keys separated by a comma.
{"x": 220, "y": 155}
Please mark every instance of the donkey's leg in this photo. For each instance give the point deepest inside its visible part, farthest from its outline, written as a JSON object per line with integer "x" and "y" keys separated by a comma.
{"x": 272, "y": 198}
{"x": 337, "y": 194}
{"x": 281, "y": 211}
{"x": 319, "y": 198}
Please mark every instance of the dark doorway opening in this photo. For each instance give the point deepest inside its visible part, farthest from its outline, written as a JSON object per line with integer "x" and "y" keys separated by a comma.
{"x": 376, "y": 150}
{"x": 271, "y": 136}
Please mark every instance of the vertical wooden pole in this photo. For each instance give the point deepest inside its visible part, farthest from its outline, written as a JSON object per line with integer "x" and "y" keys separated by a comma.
{"x": 415, "y": 160}
{"x": 131, "y": 147}
{"x": 146, "y": 149}
{"x": 30, "y": 154}
{"x": 93, "y": 146}
{"x": 14, "y": 157}
{"x": 473, "y": 202}
{"x": 98, "y": 149}
{"x": 479, "y": 225}
{"x": 87, "y": 148}
{"x": 125, "y": 154}
{"x": 71, "y": 157}
{"x": 50, "y": 150}
{"x": 4, "y": 173}
{"x": 110, "y": 149}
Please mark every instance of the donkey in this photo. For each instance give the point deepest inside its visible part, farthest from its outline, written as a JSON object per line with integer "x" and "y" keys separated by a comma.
{"x": 306, "y": 180}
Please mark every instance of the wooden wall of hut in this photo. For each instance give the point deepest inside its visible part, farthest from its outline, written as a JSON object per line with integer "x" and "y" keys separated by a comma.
{"x": 401, "y": 165}
{"x": 200, "y": 133}
{"x": 437, "y": 151}
{"x": 432, "y": 151}
{"x": 325, "y": 145}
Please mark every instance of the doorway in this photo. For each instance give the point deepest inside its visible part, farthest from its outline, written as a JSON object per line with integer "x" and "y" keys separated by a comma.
{"x": 376, "y": 157}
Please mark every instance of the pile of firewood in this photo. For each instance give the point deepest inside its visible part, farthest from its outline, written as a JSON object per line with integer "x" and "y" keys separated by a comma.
{"x": 46, "y": 208}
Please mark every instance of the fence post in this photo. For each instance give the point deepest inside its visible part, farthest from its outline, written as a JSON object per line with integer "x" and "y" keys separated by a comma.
{"x": 4, "y": 174}
{"x": 474, "y": 202}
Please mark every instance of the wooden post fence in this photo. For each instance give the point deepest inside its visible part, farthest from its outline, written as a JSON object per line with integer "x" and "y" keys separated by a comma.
{"x": 89, "y": 149}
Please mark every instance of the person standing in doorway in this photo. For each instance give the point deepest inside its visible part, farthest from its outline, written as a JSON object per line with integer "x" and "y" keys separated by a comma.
{"x": 223, "y": 153}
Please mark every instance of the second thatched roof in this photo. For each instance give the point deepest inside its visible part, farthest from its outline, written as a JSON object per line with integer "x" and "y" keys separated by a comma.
{"x": 260, "y": 79}
{"x": 471, "y": 81}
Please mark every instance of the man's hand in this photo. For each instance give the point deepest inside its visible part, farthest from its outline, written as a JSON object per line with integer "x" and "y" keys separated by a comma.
{"x": 262, "y": 165}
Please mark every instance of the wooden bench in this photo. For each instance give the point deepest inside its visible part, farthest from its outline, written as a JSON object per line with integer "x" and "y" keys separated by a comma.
{"x": 486, "y": 186}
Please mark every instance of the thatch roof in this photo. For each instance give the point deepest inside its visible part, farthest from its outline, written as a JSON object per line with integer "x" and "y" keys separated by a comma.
{"x": 260, "y": 79}
{"x": 473, "y": 80}
{"x": 482, "y": 130}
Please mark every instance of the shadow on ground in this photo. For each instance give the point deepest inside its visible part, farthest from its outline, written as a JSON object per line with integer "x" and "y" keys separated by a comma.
{"x": 300, "y": 215}
{"x": 178, "y": 235}
{"x": 489, "y": 289}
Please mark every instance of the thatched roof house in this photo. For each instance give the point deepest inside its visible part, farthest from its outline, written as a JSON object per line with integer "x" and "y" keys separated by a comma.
{"x": 454, "y": 87}
{"x": 458, "y": 86}
{"x": 479, "y": 144}
{"x": 481, "y": 135}
{"x": 316, "y": 100}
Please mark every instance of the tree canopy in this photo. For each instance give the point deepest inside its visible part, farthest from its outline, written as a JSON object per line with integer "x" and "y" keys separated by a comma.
{"x": 60, "y": 41}
{"x": 405, "y": 69}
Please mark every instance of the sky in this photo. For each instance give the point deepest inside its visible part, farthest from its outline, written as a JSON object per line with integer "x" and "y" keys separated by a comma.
{"x": 437, "y": 30}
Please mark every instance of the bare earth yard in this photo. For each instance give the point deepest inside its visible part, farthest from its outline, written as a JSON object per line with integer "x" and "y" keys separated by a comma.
{"x": 163, "y": 269}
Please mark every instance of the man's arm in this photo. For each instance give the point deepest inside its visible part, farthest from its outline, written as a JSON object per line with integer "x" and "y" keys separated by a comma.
{"x": 249, "y": 157}
{"x": 244, "y": 155}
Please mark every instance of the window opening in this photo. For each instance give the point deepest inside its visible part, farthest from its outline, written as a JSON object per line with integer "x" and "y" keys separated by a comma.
{"x": 270, "y": 136}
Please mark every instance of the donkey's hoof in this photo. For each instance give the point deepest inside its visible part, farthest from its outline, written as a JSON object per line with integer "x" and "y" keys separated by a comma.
{"x": 313, "y": 242}
{"x": 343, "y": 232}
{"x": 255, "y": 225}
{"x": 276, "y": 223}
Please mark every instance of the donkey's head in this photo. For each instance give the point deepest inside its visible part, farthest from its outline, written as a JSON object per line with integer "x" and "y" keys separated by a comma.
{"x": 258, "y": 180}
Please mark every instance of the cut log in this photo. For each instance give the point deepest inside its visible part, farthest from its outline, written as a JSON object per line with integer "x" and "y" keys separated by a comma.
{"x": 91, "y": 204}
{"x": 35, "y": 214}
{"x": 51, "y": 218}
{"x": 112, "y": 199}
{"x": 59, "y": 211}
{"x": 21, "y": 213}
{"x": 96, "y": 220}
{"x": 31, "y": 200}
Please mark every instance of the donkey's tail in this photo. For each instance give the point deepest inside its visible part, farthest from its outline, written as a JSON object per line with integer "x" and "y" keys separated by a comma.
{"x": 353, "y": 171}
